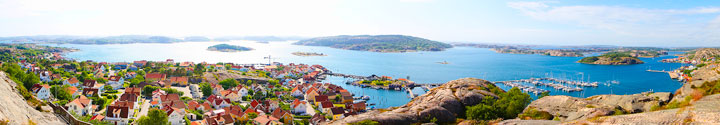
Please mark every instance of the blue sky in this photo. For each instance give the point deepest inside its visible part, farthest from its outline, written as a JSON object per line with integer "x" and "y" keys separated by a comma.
{"x": 576, "y": 22}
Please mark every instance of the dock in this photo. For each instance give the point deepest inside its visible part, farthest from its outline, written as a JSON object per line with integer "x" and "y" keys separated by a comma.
{"x": 663, "y": 71}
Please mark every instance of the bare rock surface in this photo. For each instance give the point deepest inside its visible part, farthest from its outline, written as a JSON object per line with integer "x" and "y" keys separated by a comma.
{"x": 17, "y": 111}
{"x": 568, "y": 108}
{"x": 703, "y": 111}
{"x": 443, "y": 103}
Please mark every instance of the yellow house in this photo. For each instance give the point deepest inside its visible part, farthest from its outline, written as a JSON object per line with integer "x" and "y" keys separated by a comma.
{"x": 181, "y": 81}
{"x": 336, "y": 113}
{"x": 283, "y": 115}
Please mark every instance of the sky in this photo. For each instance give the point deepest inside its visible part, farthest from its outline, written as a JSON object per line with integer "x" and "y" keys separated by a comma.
{"x": 572, "y": 22}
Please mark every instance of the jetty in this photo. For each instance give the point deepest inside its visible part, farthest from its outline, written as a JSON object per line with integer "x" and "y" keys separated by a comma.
{"x": 350, "y": 76}
{"x": 663, "y": 71}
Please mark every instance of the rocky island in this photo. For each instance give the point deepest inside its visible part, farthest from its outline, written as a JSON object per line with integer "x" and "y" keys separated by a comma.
{"x": 228, "y": 48}
{"x": 308, "y": 54}
{"x": 377, "y": 43}
{"x": 612, "y": 58}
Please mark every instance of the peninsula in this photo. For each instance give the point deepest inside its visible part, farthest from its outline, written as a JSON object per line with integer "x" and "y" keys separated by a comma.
{"x": 612, "y": 58}
{"x": 377, "y": 43}
{"x": 228, "y": 48}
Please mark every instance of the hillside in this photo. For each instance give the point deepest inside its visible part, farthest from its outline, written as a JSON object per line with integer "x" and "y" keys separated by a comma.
{"x": 17, "y": 111}
{"x": 704, "y": 53}
{"x": 228, "y": 48}
{"x": 377, "y": 43}
{"x": 612, "y": 58}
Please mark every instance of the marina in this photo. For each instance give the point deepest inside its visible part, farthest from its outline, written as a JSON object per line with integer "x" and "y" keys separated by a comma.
{"x": 558, "y": 84}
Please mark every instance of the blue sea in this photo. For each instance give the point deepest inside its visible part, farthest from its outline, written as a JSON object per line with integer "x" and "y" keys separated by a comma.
{"x": 421, "y": 67}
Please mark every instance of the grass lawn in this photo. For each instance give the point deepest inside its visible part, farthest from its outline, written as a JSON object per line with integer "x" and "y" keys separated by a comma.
{"x": 339, "y": 105}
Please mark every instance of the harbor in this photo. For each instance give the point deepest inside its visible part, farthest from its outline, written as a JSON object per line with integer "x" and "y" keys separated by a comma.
{"x": 531, "y": 85}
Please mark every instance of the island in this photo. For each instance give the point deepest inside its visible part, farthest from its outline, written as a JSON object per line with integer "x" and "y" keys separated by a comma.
{"x": 308, "y": 54}
{"x": 376, "y": 43}
{"x": 548, "y": 52}
{"x": 612, "y": 58}
{"x": 228, "y": 48}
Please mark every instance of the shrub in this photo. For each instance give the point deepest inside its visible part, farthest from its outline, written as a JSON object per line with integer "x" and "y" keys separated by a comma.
{"x": 535, "y": 114}
{"x": 366, "y": 122}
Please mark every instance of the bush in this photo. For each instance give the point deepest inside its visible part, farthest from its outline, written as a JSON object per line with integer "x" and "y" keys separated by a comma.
{"x": 508, "y": 106}
{"x": 535, "y": 114}
{"x": 366, "y": 122}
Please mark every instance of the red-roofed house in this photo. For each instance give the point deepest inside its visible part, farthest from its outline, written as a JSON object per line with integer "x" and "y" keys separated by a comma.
{"x": 155, "y": 77}
{"x": 298, "y": 106}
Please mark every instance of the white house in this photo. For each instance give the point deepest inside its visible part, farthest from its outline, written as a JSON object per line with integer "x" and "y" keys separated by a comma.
{"x": 116, "y": 82}
{"x": 243, "y": 91}
{"x": 298, "y": 107}
{"x": 175, "y": 116}
{"x": 81, "y": 105}
{"x": 117, "y": 115}
{"x": 41, "y": 91}
{"x": 45, "y": 76}
{"x": 72, "y": 82}
{"x": 232, "y": 95}
{"x": 297, "y": 92}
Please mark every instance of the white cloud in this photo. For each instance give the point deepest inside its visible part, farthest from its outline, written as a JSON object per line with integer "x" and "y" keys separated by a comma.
{"x": 667, "y": 24}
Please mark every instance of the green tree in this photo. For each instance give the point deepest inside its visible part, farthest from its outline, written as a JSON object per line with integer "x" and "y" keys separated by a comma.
{"x": 147, "y": 90}
{"x": 543, "y": 94}
{"x": 507, "y": 106}
{"x": 228, "y": 83}
{"x": 172, "y": 91}
{"x": 60, "y": 92}
{"x": 154, "y": 117}
{"x": 206, "y": 89}
{"x": 252, "y": 115}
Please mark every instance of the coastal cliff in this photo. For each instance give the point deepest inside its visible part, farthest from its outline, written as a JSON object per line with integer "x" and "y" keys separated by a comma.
{"x": 16, "y": 110}
{"x": 443, "y": 103}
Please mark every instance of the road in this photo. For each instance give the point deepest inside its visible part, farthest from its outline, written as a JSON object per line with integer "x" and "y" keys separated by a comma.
{"x": 309, "y": 109}
{"x": 144, "y": 108}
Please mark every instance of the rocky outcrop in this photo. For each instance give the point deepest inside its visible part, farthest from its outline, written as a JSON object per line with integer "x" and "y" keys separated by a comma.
{"x": 703, "y": 111}
{"x": 17, "y": 111}
{"x": 568, "y": 108}
{"x": 443, "y": 103}
{"x": 612, "y": 61}
{"x": 705, "y": 53}
{"x": 700, "y": 76}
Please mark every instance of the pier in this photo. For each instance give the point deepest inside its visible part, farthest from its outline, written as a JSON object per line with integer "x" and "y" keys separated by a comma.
{"x": 663, "y": 71}
{"x": 349, "y": 76}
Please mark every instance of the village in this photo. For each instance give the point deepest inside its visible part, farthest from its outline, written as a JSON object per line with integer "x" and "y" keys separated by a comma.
{"x": 186, "y": 92}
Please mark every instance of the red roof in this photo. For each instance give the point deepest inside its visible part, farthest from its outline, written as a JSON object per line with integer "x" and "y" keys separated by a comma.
{"x": 154, "y": 76}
